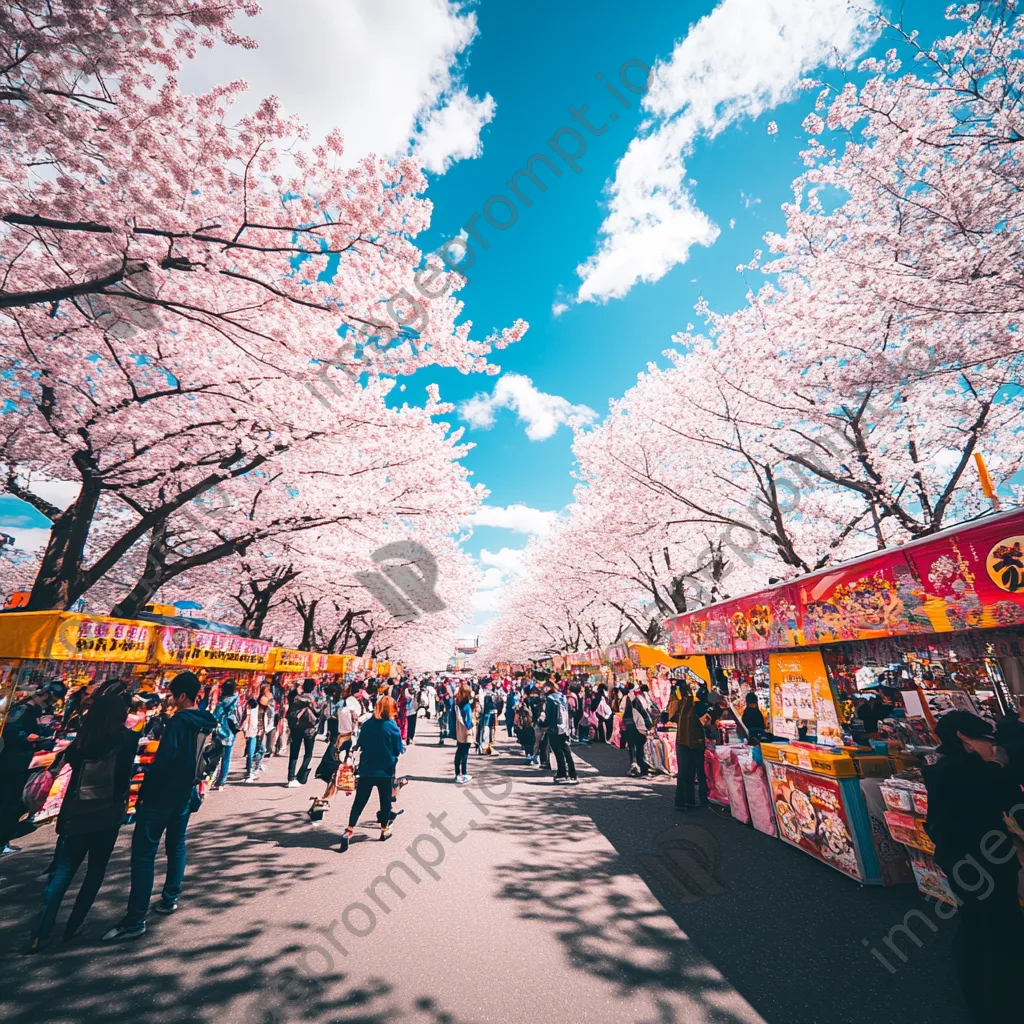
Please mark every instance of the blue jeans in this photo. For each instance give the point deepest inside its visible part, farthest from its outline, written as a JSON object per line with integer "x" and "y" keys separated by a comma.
{"x": 151, "y": 821}
{"x": 71, "y": 851}
{"x": 253, "y": 754}
{"x": 225, "y": 764}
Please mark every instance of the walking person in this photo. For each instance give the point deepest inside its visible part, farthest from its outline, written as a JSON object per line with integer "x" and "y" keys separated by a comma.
{"x": 303, "y": 722}
{"x": 102, "y": 758}
{"x": 167, "y": 797}
{"x": 637, "y": 721}
{"x": 462, "y": 713}
{"x": 525, "y": 732}
{"x": 257, "y": 725}
{"x": 511, "y": 702}
{"x": 690, "y": 715}
{"x": 411, "y": 713}
{"x": 225, "y": 714}
{"x": 380, "y": 745}
{"x": 559, "y": 728}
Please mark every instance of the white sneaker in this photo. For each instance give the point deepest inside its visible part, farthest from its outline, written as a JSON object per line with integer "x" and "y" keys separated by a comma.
{"x": 294, "y": 784}
{"x": 467, "y": 778}
{"x": 250, "y": 778}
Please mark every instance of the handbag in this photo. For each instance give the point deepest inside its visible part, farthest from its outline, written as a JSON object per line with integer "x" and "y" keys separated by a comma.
{"x": 37, "y": 789}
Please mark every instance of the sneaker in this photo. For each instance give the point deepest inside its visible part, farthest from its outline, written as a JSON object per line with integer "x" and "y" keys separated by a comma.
{"x": 294, "y": 784}
{"x": 249, "y": 778}
{"x": 8, "y": 850}
{"x": 467, "y": 778}
{"x": 125, "y": 931}
{"x": 166, "y": 906}
{"x": 43, "y": 876}
{"x": 559, "y": 780}
{"x": 385, "y": 832}
{"x": 535, "y": 759}
{"x": 216, "y": 788}
{"x": 343, "y": 844}
{"x": 574, "y": 781}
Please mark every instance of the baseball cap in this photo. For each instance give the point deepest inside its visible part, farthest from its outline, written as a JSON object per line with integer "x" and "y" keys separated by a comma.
{"x": 953, "y": 722}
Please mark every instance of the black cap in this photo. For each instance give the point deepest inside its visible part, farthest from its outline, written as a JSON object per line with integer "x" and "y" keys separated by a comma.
{"x": 953, "y": 722}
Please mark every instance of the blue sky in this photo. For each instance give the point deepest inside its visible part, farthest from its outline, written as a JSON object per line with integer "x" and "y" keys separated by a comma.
{"x": 508, "y": 72}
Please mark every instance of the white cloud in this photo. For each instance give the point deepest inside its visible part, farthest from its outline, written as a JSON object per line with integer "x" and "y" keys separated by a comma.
{"x": 452, "y": 132}
{"x": 745, "y": 57}
{"x": 29, "y": 539}
{"x": 559, "y": 308}
{"x": 542, "y": 413}
{"x": 749, "y": 201}
{"x": 518, "y": 517}
{"x": 732, "y": 222}
{"x": 386, "y": 72}
{"x": 507, "y": 561}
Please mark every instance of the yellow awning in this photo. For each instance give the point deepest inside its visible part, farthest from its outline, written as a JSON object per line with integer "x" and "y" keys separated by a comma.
{"x": 67, "y": 636}
{"x": 651, "y": 657}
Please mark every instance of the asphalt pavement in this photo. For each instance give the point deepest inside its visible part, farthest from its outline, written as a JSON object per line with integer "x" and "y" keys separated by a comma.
{"x": 511, "y": 899}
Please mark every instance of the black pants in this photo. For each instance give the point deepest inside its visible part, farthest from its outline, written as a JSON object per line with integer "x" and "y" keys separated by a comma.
{"x": 71, "y": 851}
{"x": 691, "y": 768}
{"x": 297, "y": 742}
{"x": 461, "y": 758}
{"x": 12, "y": 782}
{"x": 989, "y": 942}
{"x": 637, "y": 744}
{"x": 563, "y": 756}
{"x": 364, "y": 787}
{"x": 543, "y": 749}
{"x": 411, "y": 728}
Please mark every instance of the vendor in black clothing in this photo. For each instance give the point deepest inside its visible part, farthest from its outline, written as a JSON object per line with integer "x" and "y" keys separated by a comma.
{"x": 968, "y": 794}
{"x": 872, "y": 712}
{"x": 753, "y": 719}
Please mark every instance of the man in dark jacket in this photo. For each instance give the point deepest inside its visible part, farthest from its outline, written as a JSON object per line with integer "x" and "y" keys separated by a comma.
{"x": 969, "y": 793}
{"x": 165, "y": 803}
{"x": 556, "y": 717}
{"x": 689, "y": 713}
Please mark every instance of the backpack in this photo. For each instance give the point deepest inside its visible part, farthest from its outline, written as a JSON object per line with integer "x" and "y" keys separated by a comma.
{"x": 302, "y": 719}
{"x": 641, "y": 719}
{"x": 96, "y": 780}
{"x": 562, "y": 719}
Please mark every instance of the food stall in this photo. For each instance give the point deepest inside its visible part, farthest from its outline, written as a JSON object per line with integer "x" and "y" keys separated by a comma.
{"x": 933, "y": 625}
{"x": 214, "y": 657}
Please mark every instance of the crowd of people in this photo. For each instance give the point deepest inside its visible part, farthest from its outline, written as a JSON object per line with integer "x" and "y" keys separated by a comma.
{"x": 974, "y": 783}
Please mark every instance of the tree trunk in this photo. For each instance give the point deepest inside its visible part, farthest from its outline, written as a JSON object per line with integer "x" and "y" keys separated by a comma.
{"x": 147, "y": 585}
{"x": 57, "y": 584}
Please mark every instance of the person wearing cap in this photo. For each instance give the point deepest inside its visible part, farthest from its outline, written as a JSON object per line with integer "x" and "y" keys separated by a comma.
{"x": 969, "y": 792}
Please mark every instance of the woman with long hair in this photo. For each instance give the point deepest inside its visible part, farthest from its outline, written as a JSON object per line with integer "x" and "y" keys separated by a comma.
{"x": 462, "y": 712}
{"x": 380, "y": 744}
{"x": 102, "y": 758}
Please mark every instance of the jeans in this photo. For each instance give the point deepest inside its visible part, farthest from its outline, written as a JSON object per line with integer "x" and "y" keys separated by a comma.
{"x": 225, "y": 764}
{"x": 298, "y": 741}
{"x": 253, "y": 754}
{"x": 152, "y": 821}
{"x": 364, "y": 787}
{"x": 71, "y": 851}
{"x": 485, "y": 731}
{"x": 691, "y": 767}
{"x": 461, "y": 758}
{"x": 543, "y": 750}
{"x": 412, "y": 727}
{"x": 563, "y": 755}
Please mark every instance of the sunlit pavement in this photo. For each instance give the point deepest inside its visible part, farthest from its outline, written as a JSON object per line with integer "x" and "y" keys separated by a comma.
{"x": 509, "y": 900}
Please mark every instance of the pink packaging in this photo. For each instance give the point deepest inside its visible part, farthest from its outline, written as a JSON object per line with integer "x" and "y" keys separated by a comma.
{"x": 759, "y": 797}
{"x": 717, "y": 793}
{"x": 733, "y": 783}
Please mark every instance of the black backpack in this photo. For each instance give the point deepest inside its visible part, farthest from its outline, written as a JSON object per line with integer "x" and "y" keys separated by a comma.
{"x": 94, "y": 788}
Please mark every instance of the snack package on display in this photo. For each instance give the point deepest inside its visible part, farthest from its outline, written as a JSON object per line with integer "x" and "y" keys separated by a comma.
{"x": 733, "y": 778}
{"x": 758, "y": 793}
{"x": 717, "y": 792}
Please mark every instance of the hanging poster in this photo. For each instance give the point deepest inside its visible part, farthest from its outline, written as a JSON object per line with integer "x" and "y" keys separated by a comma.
{"x": 801, "y": 695}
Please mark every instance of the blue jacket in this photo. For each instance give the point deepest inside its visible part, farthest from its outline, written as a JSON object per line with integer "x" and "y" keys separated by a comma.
{"x": 169, "y": 780}
{"x": 380, "y": 742}
{"x": 225, "y": 709}
{"x": 510, "y": 707}
{"x": 466, "y": 713}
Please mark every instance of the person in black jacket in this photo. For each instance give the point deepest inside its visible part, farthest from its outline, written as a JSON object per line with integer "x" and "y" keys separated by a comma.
{"x": 304, "y": 714}
{"x": 101, "y": 757}
{"x": 969, "y": 792}
{"x": 167, "y": 797}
